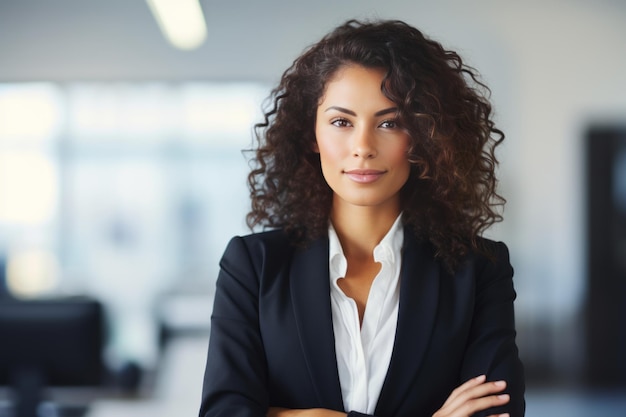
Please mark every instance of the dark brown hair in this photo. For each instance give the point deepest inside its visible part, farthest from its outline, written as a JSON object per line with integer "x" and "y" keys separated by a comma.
{"x": 450, "y": 197}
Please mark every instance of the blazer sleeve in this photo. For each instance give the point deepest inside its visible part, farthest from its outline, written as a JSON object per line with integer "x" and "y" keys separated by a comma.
{"x": 235, "y": 375}
{"x": 492, "y": 348}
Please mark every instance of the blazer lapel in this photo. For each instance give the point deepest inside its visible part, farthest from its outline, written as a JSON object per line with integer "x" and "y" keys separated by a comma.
{"x": 419, "y": 289}
{"x": 310, "y": 291}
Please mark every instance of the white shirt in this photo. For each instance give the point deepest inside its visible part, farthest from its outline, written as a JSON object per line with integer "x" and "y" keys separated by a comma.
{"x": 364, "y": 351}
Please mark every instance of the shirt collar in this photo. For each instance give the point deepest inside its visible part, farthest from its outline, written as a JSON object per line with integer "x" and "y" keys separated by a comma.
{"x": 390, "y": 246}
{"x": 388, "y": 250}
{"x": 337, "y": 260}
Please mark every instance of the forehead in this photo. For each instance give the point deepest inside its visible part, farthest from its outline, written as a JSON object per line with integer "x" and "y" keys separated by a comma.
{"x": 355, "y": 83}
{"x": 355, "y": 71}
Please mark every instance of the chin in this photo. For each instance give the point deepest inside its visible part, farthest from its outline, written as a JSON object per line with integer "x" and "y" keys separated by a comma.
{"x": 367, "y": 201}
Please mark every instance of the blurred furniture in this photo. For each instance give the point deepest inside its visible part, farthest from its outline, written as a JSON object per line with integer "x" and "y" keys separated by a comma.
{"x": 606, "y": 251}
{"x": 49, "y": 343}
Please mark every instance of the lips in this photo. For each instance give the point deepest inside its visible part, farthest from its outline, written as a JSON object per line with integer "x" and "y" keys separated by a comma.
{"x": 364, "y": 176}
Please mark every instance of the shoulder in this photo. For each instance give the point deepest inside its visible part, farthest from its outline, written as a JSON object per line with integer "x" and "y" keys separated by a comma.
{"x": 275, "y": 239}
{"x": 488, "y": 261}
{"x": 491, "y": 252}
{"x": 486, "y": 252}
{"x": 491, "y": 266}
{"x": 256, "y": 250}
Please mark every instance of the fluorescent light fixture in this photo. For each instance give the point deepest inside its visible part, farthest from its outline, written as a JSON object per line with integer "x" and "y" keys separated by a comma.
{"x": 181, "y": 22}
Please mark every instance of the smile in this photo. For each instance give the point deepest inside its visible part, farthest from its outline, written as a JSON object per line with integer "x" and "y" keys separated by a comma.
{"x": 364, "y": 176}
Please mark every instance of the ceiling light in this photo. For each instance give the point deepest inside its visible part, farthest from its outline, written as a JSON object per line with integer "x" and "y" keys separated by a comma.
{"x": 181, "y": 22}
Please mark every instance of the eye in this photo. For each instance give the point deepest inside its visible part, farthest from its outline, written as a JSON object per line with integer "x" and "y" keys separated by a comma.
{"x": 340, "y": 122}
{"x": 389, "y": 124}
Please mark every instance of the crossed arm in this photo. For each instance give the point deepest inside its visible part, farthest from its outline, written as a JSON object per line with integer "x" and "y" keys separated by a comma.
{"x": 474, "y": 395}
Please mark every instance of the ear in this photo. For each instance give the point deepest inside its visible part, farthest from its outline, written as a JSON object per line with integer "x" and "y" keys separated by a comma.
{"x": 315, "y": 147}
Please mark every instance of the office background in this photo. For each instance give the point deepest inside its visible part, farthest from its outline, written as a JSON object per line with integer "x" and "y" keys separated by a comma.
{"x": 122, "y": 176}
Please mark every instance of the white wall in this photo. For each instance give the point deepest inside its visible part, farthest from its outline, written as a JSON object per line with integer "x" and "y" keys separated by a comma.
{"x": 554, "y": 68}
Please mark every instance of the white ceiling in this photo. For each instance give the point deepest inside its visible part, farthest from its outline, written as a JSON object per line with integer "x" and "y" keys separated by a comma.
{"x": 63, "y": 40}
{"x": 119, "y": 39}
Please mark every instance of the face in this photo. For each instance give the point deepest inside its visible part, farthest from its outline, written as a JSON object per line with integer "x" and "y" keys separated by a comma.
{"x": 362, "y": 149}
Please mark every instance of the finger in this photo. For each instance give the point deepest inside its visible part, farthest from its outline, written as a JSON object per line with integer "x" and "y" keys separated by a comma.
{"x": 479, "y": 404}
{"x": 473, "y": 406}
{"x": 470, "y": 395}
{"x": 473, "y": 391}
{"x": 470, "y": 383}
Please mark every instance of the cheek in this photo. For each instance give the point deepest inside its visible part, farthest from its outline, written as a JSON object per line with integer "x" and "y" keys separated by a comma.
{"x": 400, "y": 159}
{"x": 329, "y": 148}
{"x": 328, "y": 158}
{"x": 400, "y": 153}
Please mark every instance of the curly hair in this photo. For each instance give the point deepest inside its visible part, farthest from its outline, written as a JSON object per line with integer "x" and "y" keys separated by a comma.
{"x": 450, "y": 197}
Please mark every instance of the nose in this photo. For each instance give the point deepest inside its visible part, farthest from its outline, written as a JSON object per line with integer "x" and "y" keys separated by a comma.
{"x": 363, "y": 145}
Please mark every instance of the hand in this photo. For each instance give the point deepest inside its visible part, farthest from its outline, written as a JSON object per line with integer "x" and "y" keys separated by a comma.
{"x": 473, "y": 396}
{"x": 308, "y": 412}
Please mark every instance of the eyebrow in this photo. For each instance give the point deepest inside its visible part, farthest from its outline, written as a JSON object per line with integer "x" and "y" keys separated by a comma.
{"x": 352, "y": 113}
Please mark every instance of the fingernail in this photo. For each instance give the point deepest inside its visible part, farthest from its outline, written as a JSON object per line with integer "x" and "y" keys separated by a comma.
{"x": 503, "y": 397}
{"x": 500, "y": 383}
{"x": 481, "y": 377}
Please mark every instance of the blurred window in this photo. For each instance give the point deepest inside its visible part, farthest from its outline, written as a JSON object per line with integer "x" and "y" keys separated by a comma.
{"x": 121, "y": 190}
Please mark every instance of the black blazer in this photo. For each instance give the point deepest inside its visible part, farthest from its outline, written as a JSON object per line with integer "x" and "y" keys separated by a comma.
{"x": 272, "y": 341}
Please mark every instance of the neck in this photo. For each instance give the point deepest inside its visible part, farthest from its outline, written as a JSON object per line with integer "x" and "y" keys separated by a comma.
{"x": 360, "y": 229}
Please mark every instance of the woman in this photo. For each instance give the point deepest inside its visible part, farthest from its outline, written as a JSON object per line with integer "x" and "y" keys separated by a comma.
{"x": 373, "y": 294}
